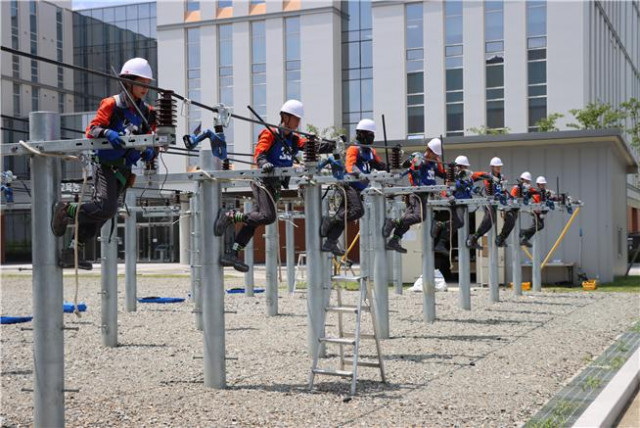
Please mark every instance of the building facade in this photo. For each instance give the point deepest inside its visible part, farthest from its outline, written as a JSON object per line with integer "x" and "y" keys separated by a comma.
{"x": 432, "y": 68}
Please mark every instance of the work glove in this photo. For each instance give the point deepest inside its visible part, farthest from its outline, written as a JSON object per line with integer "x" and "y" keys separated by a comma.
{"x": 267, "y": 167}
{"x": 133, "y": 156}
{"x": 148, "y": 154}
{"x": 114, "y": 138}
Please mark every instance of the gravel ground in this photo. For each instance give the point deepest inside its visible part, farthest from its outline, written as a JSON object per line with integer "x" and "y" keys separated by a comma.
{"x": 493, "y": 366}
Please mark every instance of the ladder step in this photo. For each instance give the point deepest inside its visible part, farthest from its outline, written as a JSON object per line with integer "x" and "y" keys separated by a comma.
{"x": 346, "y": 278}
{"x": 343, "y": 308}
{"x": 362, "y": 363}
{"x": 362, "y": 335}
{"x": 342, "y": 373}
{"x": 338, "y": 340}
{"x": 347, "y": 308}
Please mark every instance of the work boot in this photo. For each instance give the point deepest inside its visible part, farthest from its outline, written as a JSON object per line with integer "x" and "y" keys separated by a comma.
{"x": 525, "y": 242}
{"x": 60, "y": 218}
{"x": 325, "y": 225}
{"x": 230, "y": 258}
{"x": 394, "y": 245}
{"x": 440, "y": 248}
{"x": 472, "y": 242}
{"x": 501, "y": 241}
{"x": 66, "y": 260}
{"x": 224, "y": 220}
{"x": 388, "y": 227}
{"x": 331, "y": 246}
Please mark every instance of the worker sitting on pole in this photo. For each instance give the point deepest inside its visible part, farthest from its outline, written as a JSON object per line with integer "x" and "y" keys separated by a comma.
{"x": 360, "y": 160}
{"x": 423, "y": 170}
{"x": 276, "y": 148}
{"x": 539, "y": 195}
{"x": 119, "y": 115}
{"x": 494, "y": 184}
{"x": 461, "y": 180}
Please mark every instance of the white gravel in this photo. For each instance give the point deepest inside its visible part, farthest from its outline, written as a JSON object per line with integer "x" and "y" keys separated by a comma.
{"x": 493, "y": 366}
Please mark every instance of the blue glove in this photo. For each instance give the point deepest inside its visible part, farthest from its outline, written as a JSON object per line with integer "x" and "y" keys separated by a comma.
{"x": 114, "y": 138}
{"x": 132, "y": 157}
{"x": 149, "y": 154}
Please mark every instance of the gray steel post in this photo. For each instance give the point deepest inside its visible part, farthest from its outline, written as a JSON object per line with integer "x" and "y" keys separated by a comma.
{"x": 428, "y": 269}
{"x": 48, "y": 339}
{"x": 248, "y": 259}
{"x": 464, "y": 262}
{"x": 494, "y": 292}
{"x": 536, "y": 267}
{"x": 196, "y": 259}
{"x": 396, "y": 256}
{"x": 109, "y": 292}
{"x": 516, "y": 263}
{"x": 291, "y": 251}
{"x": 271, "y": 266}
{"x": 130, "y": 254}
{"x": 185, "y": 235}
{"x": 212, "y": 279}
{"x": 315, "y": 298}
{"x": 380, "y": 275}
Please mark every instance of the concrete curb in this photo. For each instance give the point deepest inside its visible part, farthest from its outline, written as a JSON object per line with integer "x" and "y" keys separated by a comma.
{"x": 605, "y": 410}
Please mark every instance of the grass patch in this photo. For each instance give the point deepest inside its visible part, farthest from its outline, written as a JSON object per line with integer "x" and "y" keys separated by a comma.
{"x": 591, "y": 382}
{"x": 558, "y": 416}
{"x": 617, "y": 362}
{"x": 629, "y": 284}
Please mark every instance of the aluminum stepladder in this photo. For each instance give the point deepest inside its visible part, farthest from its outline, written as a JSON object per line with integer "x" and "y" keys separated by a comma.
{"x": 349, "y": 339}
{"x": 301, "y": 270}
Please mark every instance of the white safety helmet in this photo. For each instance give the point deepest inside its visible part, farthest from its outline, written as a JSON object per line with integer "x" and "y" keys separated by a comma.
{"x": 496, "y": 161}
{"x": 462, "y": 161}
{"x": 525, "y": 176}
{"x": 366, "y": 125}
{"x": 138, "y": 67}
{"x": 436, "y": 146}
{"x": 541, "y": 180}
{"x": 294, "y": 108}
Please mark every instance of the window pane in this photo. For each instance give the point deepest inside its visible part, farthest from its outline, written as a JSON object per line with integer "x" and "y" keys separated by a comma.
{"x": 493, "y": 94}
{"x": 453, "y": 7}
{"x": 351, "y": 54}
{"x": 495, "y": 114}
{"x": 415, "y": 66}
{"x": 259, "y": 95}
{"x": 537, "y": 72}
{"x": 455, "y": 117}
{"x": 453, "y": 30}
{"x": 536, "y": 21}
{"x": 367, "y": 94}
{"x": 537, "y": 90}
{"x": 454, "y": 79}
{"x": 415, "y": 33}
{"x": 415, "y": 100}
{"x": 454, "y": 62}
{"x": 493, "y": 26}
{"x": 495, "y": 58}
{"x": 453, "y": 50}
{"x": 293, "y": 65}
{"x": 415, "y": 54}
{"x": 366, "y": 52}
{"x": 537, "y": 54}
{"x": 537, "y": 42}
{"x": 495, "y": 76}
{"x": 292, "y": 25}
{"x": 453, "y": 97}
{"x": 415, "y": 120}
{"x": 493, "y": 6}
{"x": 537, "y": 110}
{"x": 494, "y": 47}
{"x": 415, "y": 83}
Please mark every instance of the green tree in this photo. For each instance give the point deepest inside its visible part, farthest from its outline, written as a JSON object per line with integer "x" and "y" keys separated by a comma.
{"x": 548, "y": 124}
{"x": 483, "y": 130}
{"x": 597, "y": 115}
{"x": 632, "y": 110}
{"x": 329, "y": 132}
